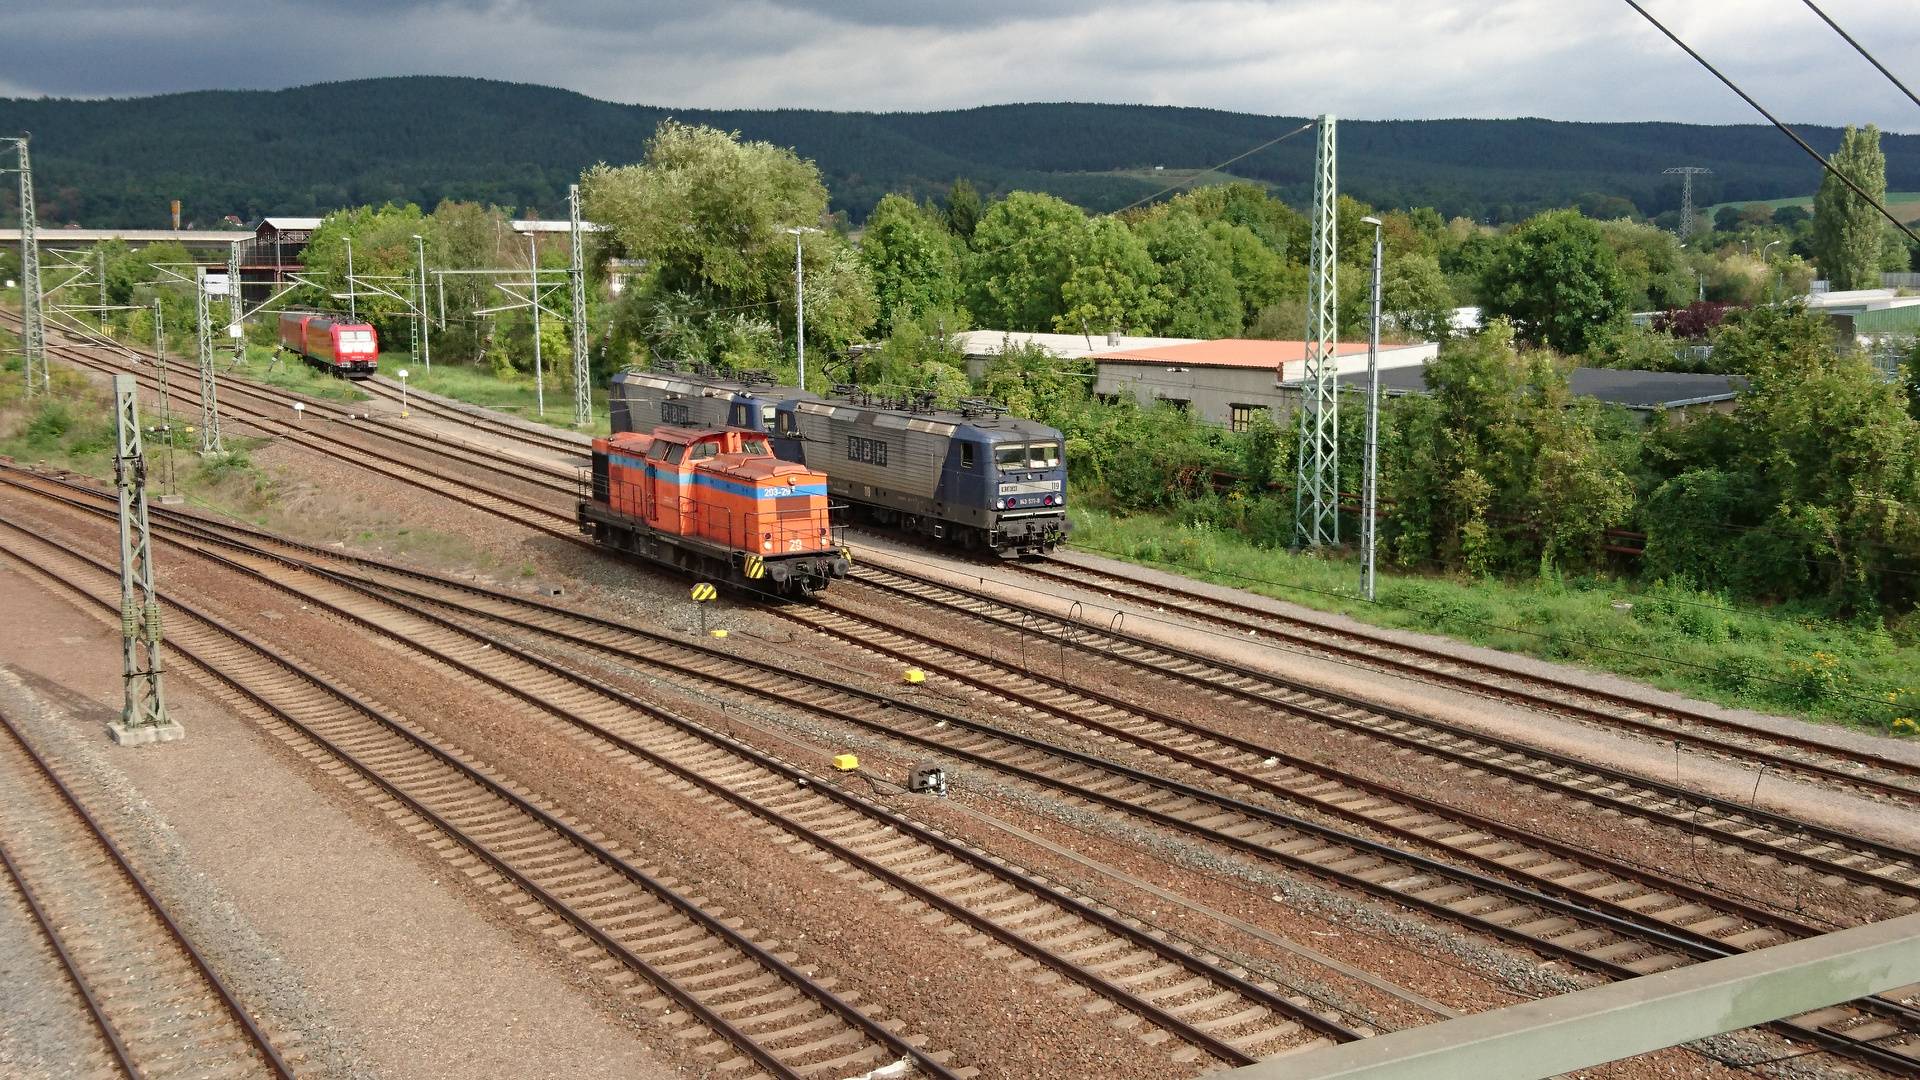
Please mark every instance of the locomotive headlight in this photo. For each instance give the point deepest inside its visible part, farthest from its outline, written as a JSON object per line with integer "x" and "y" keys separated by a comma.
{"x": 999, "y": 504}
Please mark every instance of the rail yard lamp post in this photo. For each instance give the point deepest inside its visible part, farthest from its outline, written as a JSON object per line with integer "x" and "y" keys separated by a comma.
{"x": 1777, "y": 276}
{"x": 1370, "y": 483}
{"x": 403, "y": 390}
{"x": 799, "y": 302}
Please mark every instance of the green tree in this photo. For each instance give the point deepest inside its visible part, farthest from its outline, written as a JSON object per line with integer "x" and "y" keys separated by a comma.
{"x": 1415, "y": 297}
{"x": 1021, "y": 257}
{"x": 1652, "y": 265}
{"x": 466, "y": 236}
{"x": 1848, "y": 233}
{"x": 911, "y": 258}
{"x": 1111, "y": 280}
{"x": 1556, "y": 278}
{"x": 711, "y": 216}
{"x": 961, "y": 210}
{"x": 1200, "y": 296}
{"x": 382, "y": 261}
{"x": 1500, "y": 438}
{"x": 1808, "y": 490}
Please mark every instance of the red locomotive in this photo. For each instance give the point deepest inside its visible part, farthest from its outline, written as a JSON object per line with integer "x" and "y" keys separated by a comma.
{"x": 717, "y": 504}
{"x": 331, "y": 342}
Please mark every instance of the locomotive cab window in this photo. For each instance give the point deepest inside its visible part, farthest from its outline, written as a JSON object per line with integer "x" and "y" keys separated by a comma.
{"x": 705, "y": 450}
{"x": 1043, "y": 455}
{"x": 966, "y": 455}
{"x": 675, "y": 452}
{"x": 786, "y": 426}
{"x": 657, "y": 451}
{"x": 1010, "y": 457}
{"x": 766, "y": 416}
{"x": 755, "y": 447}
{"x": 737, "y": 415}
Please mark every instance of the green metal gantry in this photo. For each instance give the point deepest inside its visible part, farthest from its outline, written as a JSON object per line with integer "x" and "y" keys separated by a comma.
{"x": 1316, "y": 508}
{"x": 144, "y": 718}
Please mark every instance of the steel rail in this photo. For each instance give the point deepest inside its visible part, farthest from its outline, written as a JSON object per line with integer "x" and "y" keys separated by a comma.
{"x": 94, "y": 1009}
{"x": 1648, "y": 879}
{"x": 1080, "y": 641}
{"x": 583, "y": 923}
{"x": 334, "y": 412}
{"x": 238, "y": 1011}
{"x": 1362, "y": 656}
{"x": 1155, "y": 1013}
{"x": 1867, "y": 1051}
{"x": 358, "y": 456}
{"x": 494, "y": 425}
{"x": 1707, "y": 948}
{"x": 1838, "y": 1043}
{"x": 1134, "y": 937}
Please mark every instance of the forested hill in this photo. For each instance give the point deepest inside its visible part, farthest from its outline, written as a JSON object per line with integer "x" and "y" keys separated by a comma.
{"x": 117, "y": 163}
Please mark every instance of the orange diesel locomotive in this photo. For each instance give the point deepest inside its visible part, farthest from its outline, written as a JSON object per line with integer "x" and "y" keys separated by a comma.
{"x": 716, "y": 504}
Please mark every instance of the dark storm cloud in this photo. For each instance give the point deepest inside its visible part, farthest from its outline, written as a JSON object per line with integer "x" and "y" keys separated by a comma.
{"x": 1568, "y": 59}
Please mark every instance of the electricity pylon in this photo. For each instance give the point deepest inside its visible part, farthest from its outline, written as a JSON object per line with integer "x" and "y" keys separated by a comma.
{"x": 582, "y": 382}
{"x": 33, "y": 319}
{"x": 1316, "y": 496}
{"x": 144, "y": 719}
{"x": 1687, "y": 173}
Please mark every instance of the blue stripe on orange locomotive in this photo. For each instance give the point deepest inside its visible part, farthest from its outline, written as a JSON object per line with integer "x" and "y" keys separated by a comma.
{"x": 717, "y": 503}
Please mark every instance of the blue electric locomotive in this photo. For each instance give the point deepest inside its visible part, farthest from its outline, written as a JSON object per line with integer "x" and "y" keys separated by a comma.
{"x": 972, "y": 476}
{"x": 643, "y": 400}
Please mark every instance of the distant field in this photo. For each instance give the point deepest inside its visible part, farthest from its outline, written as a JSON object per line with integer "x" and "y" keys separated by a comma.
{"x": 1184, "y": 179}
{"x": 1904, "y": 204}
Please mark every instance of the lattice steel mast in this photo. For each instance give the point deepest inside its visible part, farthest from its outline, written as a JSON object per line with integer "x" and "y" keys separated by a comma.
{"x": 1687, "y": 173}
{"x": 165, "y": 428}
{"x": 1316, "y": 507}
{"x": 209, "y": 394}
{"x": 582, "y": 380}
{"x": 33, "y": 319}
{"x": 236, "y": 304}
{"x": 144, "y": 718}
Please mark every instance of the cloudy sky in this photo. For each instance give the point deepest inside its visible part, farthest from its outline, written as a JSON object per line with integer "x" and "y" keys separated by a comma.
{"x": 1370, "y": 59}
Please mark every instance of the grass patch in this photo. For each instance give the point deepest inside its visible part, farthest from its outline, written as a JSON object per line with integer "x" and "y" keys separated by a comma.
{"x": 1667, "y": 635}
{"x": 291, "y": 374}
{"x": 72, "y": 429}
{"x": 479, "y": 386}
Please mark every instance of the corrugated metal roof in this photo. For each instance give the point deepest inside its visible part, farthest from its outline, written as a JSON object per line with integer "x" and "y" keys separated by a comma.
{"x": 1226, "y": 352}
{"x": 1633, "y": 389}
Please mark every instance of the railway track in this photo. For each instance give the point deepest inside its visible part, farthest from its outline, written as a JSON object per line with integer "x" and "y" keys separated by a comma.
{"x": 1610, "y": 918}
{"x": 737, "y": 992}
{"x": 1856, "y": 860}
{"x": 541, "y": 516}
{"x": 1859, "y": 1031}
{"x": 1808, "y": 757}
{"x": 322, "y": 415}
{"x": 161, "y": 1011}
{"x": 1206, "y": 1005}
{"x": 552, "y": 440}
